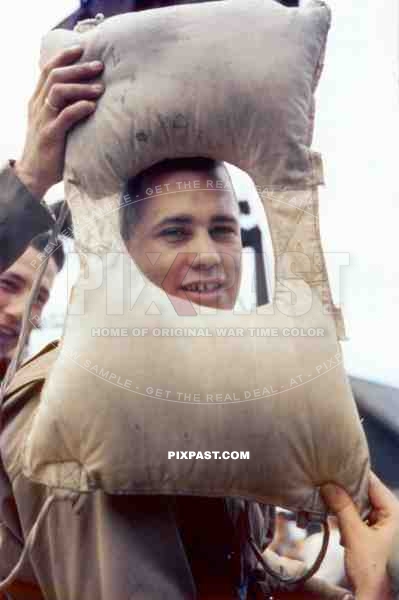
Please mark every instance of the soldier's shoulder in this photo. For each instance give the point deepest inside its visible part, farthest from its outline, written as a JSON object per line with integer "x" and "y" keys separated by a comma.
{"x": 19, "y": 405}
{"x": 35, "y": 369}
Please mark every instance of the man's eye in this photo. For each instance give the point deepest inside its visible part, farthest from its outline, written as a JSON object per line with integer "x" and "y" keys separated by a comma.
{"x": 8, "y": 285}
{"x": 223, "y": 230}
{"x": 174, "y": 233}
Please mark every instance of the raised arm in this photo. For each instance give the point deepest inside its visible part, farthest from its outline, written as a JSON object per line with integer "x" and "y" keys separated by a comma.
{"x": 65, "y": 94}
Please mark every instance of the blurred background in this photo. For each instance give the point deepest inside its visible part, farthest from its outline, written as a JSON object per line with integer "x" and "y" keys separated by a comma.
{"x": 357, "y": 132}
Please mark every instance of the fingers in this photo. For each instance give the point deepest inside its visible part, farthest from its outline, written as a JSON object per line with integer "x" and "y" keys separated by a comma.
{"x": 66, "y": 57}
{"x": 63, "y": 94}
{"x": 349, "y": 521}
{"x": 69, "y": 75}
{"x": 71, "y": 115}
{"x": 336, "y": 498}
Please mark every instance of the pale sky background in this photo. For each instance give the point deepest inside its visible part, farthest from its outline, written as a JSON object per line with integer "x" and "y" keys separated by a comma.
{"x": 357, "y": 132}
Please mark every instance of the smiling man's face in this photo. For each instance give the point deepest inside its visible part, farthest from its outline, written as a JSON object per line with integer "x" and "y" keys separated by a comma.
{"x": 195, "y": 231}
{"x": 15, "y": 285}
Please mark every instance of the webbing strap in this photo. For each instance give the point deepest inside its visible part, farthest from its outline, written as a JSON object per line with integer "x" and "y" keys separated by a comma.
{"x": 5, "y": 584}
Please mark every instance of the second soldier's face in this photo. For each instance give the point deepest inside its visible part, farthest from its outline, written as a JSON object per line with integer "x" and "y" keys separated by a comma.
{"x": 188, "y": 241}
{"x": 15, "y": 285}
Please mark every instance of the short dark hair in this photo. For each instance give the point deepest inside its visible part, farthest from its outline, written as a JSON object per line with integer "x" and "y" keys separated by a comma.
{"x": 40, "y": 243}
{"x": 134, "y": 187}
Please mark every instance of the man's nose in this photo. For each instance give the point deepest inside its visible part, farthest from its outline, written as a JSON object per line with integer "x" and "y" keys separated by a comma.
{"x": 15, "y": 308}
{"x": 206, "y": 250}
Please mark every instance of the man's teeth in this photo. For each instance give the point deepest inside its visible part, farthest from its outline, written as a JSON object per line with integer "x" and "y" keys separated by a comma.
{"x": 202, "y": 287}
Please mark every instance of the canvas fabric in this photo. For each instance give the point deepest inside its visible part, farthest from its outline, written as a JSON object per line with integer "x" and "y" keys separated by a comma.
{"x": 236, "y": 83}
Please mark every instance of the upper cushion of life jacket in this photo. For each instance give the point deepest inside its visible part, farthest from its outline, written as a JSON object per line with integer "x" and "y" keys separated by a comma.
{"x": 234, "y": 82}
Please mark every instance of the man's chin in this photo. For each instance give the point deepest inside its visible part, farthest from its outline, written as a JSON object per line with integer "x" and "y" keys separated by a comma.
{"x": 217, "y": 299}
{"x": 7, "y": 350}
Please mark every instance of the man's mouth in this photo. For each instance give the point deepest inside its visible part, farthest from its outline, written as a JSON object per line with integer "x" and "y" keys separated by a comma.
{"x": 202, "y": 287}
{"x": 8, "y": 336}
